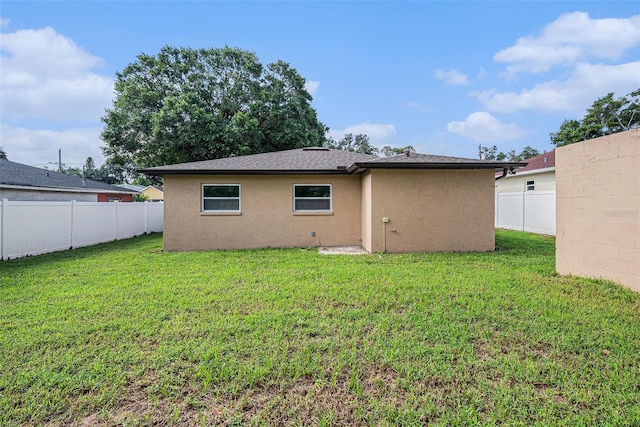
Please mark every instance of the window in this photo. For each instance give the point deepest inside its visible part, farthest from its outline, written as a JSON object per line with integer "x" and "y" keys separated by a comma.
{"x": 220, "y": 197}
{"x": 530, "y": 185}
{"x": 312, "y": 198}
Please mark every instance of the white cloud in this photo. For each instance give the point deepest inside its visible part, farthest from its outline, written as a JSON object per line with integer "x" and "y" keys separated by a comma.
{"x": 39, "y": 147}
{"x": 587, "y": 83}
{"x": 375, "y": 131}
{"x": 573, "y": 37}
{"x": 482, "y": 126}
{"x": 48, "y": 76}
{"x": 451, "y": 77}
{"x": 311, "y": 86}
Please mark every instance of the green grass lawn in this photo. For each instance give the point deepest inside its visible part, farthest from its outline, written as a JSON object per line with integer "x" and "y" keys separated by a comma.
{"x": 124, "y": 334}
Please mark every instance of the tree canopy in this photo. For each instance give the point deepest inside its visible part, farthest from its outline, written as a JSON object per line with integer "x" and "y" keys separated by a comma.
{"x": 492, "y": 153}
{"x": 186, "y": 105}
{"x": 3, "y": 154}
{"x": 359, "y": 143}
{"x": 607, "y": 115}
{"x": 389, "y": 151}
{"x": 107, "y": 173}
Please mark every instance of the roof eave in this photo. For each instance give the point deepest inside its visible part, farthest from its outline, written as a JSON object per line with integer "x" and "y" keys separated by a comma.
{"x": 162, "y": 172}
{"x": 427, "y": 165}
{"x": 64, "y": 189}
{"x": 534, "y": 171}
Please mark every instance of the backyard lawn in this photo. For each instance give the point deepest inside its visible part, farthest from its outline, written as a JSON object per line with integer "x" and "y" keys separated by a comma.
{"x": 124, "y": 334}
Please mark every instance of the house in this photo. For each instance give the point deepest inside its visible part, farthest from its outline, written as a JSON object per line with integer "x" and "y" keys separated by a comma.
{"x": 153, "y": 192}
{"x": 538, "y": 175}
{"x": 20, "y": 182}
{"x": 320, "y": 197}
{"x": 598, "y": 208}
{"x": 525, "y": 200}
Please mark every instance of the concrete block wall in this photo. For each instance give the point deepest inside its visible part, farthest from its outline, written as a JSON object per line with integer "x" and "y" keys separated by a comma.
{"x": 598, "y": 208}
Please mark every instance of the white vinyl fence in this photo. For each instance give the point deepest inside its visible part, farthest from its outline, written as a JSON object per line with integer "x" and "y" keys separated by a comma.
{"x": 533, "y": 211}
{"x": 32, "y": 228}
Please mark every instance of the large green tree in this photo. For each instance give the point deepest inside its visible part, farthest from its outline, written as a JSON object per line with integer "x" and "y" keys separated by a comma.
{"x": 607, "y": 115}
{"x": 186, "y": 105}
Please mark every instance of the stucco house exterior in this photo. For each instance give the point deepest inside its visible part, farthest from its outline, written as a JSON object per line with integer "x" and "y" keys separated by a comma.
{"x": 20, "y": 182}
{"x": 538, "y": 175}
{"x": 320, "y": 197}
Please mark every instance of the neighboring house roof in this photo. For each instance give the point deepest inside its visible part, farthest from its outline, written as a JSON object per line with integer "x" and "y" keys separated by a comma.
{"x": 317, "y": 160}
{"x": 544, "y": 162}
{"x": 18, "y": 175}
{"x": 136, "y": 188}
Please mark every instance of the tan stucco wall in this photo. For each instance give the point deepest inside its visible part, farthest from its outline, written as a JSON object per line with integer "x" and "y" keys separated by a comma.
{"x": 598, "y": 208}
{"x": 543, "y": 181}
{"x": 366, "y": 211}
{"x": 267, "y": 218}
{"x": 432, "y": 210}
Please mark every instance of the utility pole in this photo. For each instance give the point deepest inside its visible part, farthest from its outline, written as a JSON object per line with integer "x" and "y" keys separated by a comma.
{"x": 480, "y": 151}
{"x": 60, "y": 160}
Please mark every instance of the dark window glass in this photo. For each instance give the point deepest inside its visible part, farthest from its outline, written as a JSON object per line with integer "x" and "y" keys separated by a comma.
{"x": 222, "y": 191}
{"x": 313, "y": 191}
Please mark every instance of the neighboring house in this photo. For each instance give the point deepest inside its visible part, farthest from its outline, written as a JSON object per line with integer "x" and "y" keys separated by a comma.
{"x": 20, "y": 182}
{"x": 538, "y": 175}
{"x": 320, "y": 197}
{"x": 525, "y": 200}
{"x": 153, "y": 192}
{"x": 598, "y": 215}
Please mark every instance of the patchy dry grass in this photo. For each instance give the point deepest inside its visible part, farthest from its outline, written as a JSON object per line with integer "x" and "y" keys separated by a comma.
{"x": 123, "y": 334}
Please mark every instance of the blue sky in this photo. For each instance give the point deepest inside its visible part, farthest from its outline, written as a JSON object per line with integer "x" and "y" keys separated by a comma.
{"x": 443, "y": 76}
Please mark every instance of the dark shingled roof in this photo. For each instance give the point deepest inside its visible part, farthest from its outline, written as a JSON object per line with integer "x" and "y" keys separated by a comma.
{"x": 12, "y": 173}
{"x": 318, "y": 160}
{"x": 542, "y": 161}
{"x": 430, "y": 161}
{"x": 299, "y": 160}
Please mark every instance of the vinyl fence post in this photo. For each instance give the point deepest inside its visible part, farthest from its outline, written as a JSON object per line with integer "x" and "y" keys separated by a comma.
{"x": 115, "y": 220}
{"x": 496, "y": 210}
{"x": 73, "y": 224}
{"x": 3, "y": 228}
{"x": 146, "y": 217}
{"x": 523, "y": 211}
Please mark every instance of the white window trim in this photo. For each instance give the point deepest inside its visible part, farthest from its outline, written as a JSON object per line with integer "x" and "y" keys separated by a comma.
{"x": 202, "y": 198}
{"x": 293, "y": 202}
{"x": 529, "y": 183}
